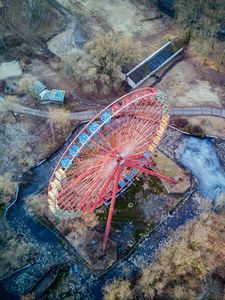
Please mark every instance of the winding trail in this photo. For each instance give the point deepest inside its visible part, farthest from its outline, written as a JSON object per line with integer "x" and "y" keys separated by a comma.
{"x": 89, "y": 114}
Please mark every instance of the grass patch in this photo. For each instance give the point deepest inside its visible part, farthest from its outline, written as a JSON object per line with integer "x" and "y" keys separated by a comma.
{"x": 155, "y": 185}
{"x": 45, "y": 222}
{"x": 127, "y": 210}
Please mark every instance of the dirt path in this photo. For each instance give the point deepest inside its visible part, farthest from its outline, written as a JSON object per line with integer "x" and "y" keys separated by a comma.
{"x": 89, "y": 114}
{"x": 81, "y": 115}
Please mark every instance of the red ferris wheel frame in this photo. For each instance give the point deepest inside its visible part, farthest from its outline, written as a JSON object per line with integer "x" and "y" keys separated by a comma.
{"x": 108, "y": 152}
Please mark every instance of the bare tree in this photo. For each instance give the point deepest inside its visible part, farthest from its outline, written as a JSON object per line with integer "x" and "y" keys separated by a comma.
{"x": 79, "y": 226}
{"x": 183, "y": 264}
{"x": 118, "y": 290}
{"x": 27, "y": 84}
{"x": 59, "y": 120}
{"x": 7, "y": 187}
{"x": 201, "y": 19}
{"x": 99, "y": 67}
{"x": 8, "y": 105}
{"x": 38, "y": 204}
{"x": 15, "y": 148}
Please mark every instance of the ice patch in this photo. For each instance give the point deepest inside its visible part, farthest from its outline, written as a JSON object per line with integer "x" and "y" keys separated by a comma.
{"x": 199, "y": 156}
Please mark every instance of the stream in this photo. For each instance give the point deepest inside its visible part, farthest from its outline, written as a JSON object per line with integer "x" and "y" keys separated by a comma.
{"x": 197, "y": 155}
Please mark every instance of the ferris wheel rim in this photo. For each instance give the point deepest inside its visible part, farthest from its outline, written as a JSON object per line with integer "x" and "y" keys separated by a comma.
{"x": 162, "y": 110}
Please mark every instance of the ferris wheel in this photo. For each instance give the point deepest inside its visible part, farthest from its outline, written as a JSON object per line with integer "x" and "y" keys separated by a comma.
{"x": 108, "y": 153}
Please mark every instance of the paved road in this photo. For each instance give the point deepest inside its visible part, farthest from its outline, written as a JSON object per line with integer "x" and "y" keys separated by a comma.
{"x": 81, "y": 115}
{"x": 89, "y": 114}
{"x": 198, "y": 110}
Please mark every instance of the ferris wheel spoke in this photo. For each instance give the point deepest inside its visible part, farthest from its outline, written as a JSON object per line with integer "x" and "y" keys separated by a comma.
{"x": 144, "y": 135}
{"x": 70, "y": 199}
{"x": 105, "y": 140}
{"x": 135, "y": 133}
{"x": 134, "y": 127}
{"x": 99, "y": 145}
{"x": 72, "y": 183}
{"x": 93, "y": 191}
{"x": 73, "y": 187}
{"x": 101, "y": 194}
{"x": 134, "y": 165}
{"x": 111, "y": 208}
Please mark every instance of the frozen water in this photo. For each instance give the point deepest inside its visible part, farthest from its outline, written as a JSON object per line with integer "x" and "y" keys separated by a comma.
{"x": 199, "y": 156}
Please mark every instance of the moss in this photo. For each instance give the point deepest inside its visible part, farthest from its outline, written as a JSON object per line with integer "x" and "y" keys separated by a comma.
{"x": 126, "y": 214}
{"x": 45, "y": 222}
{"x": 155, "y": 185}
{"x": 62, "y": 242}
{"x": 63, "y": 273}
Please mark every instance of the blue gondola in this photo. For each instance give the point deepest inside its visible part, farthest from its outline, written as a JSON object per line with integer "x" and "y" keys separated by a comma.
{"x": 65, "y": 162}
{"x": 93, "y": 127}
{"x": 106, "y": 116}
{"x": 83, "y": 137}
{"x": 122, "y": 183}
{"x": 147, "y": 154}
{"x": 73, "y": 150}
{"x": 134, "y": 171}
{"x": 129, "y": 176}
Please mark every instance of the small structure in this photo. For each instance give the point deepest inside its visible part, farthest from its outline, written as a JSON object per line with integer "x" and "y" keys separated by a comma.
{"x": 57, "y": 96}
{"x": 151, "y": 64}
{"x": 46, "y": 96}
{"x": 38, "y": 87}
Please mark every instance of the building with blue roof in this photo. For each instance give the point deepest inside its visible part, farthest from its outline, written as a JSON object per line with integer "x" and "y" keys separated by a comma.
{"x": 57, "y": 96}
{"x": 38, "y": 87}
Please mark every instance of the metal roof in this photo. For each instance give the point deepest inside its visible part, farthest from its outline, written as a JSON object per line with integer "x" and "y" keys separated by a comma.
{"x": 57, "y": 95}
{"x": 38, "y": 87}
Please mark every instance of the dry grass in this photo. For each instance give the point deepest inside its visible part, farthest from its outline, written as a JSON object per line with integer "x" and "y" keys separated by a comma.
{"x": 168, "y": 167}
{"x": 186, "y": 86}
{"x": 210, "y": 125}
{"x": 14, "y": 251}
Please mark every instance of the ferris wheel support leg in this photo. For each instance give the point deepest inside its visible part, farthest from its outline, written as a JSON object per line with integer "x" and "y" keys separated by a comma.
{"x": 134, "y": 165}
{"x": 111, "y": 209}
{"x": 101, "y": 194}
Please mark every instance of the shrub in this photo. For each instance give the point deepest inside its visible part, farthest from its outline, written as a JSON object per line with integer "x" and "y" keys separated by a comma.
{"x": 180, "y": 122}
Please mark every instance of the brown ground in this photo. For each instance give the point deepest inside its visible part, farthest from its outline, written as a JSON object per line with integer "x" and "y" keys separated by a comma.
{"x": 214, "y": 126}
{"x": 92, "y": 254}
{"x": 190, "y": 84}
{"x": 168, "y": 167}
